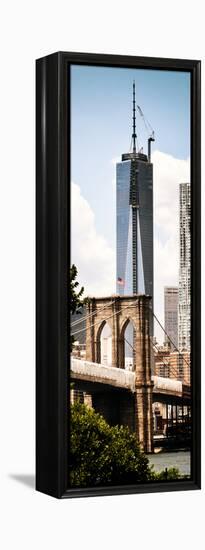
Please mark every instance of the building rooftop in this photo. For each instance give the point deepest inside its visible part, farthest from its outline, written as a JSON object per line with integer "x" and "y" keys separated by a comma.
{"x": 135, "y": 156}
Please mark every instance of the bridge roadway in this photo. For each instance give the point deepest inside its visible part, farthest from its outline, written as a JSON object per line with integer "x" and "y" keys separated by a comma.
{"x": 164, "y": 389}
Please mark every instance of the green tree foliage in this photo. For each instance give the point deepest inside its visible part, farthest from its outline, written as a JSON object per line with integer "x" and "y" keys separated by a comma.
{"x": 169, "y": 474}
{"x": 75, "y": 297}
{"x": 76, "y": 300}
{"x": 102, "y": 455}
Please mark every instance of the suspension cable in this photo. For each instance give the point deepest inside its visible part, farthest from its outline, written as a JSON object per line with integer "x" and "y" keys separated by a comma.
{"x": 90, "y": 315}
{"x": 172, "y": 370}
{"x": 167, "y": 335}
{"x": 133, "y": 304}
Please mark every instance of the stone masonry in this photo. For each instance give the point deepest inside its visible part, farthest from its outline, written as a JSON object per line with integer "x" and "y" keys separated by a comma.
{"x": 117, "y": 311}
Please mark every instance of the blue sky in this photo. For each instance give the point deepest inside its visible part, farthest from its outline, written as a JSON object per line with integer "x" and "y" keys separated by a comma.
{"x": 101, "y": 128}
{"x": 101, "y": 115}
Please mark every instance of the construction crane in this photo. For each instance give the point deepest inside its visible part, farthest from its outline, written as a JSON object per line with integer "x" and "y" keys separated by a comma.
{"x": 150, "y": 131}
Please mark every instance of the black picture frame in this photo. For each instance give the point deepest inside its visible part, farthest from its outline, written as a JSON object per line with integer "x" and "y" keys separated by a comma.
{"x": 52, "y": 265}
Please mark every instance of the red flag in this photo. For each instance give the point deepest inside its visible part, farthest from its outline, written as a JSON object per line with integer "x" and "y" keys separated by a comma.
{"x": 120, "y": 281}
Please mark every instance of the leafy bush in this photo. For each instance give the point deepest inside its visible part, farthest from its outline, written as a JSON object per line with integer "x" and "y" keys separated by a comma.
{"x": 75, "y": 296}
{"x": 102, "y": 455}
{"x": 168, "y": 474}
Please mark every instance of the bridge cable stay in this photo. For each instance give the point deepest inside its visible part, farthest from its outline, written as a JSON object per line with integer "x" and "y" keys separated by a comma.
{"x": 172, "y": 370}
{"x": 133, "y": 304}
{"x": 168, "y": 335}
{"x": 90, "y": 315}
{"x": 90, "y": 337}
{"x": 106, "y": 318}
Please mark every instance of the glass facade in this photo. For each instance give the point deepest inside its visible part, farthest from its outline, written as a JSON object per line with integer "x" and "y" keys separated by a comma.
{"x": 135, "y": 225}
{"x": 124, "y": 230}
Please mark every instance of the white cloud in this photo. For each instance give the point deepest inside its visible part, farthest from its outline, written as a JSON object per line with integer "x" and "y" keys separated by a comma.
{"x": 168, "y": 173}
{"x": 115, "y": 160}
{"x": 94, "y": 258}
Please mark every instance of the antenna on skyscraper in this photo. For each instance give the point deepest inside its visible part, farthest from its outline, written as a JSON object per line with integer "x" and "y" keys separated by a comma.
{"x": 134, "y": 135}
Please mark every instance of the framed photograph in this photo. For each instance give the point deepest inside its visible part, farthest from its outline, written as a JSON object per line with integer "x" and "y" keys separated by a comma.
{"x": 118, "y": 148}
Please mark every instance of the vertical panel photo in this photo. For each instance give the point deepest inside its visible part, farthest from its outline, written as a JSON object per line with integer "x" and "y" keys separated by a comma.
{"x": 130, "y": 277}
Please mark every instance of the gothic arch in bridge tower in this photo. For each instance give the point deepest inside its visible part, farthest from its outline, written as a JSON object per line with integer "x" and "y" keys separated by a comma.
{"x": 104, "y": 344}
{"x": 127, "y": 344}
{"x": 118, "y": 311}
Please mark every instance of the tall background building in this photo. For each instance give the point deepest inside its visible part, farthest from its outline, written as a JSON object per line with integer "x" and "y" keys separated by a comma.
{"x": 184, "y": 318}
{"x": 171, "y": 316}
{"x": 135, "y": 219}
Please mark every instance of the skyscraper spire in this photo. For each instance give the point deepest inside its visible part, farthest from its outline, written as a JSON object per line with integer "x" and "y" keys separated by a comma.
{"x": 134, "y": 135}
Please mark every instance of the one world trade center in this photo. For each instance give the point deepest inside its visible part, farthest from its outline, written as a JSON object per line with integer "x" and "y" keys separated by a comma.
{"x": 135, "y": 218}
